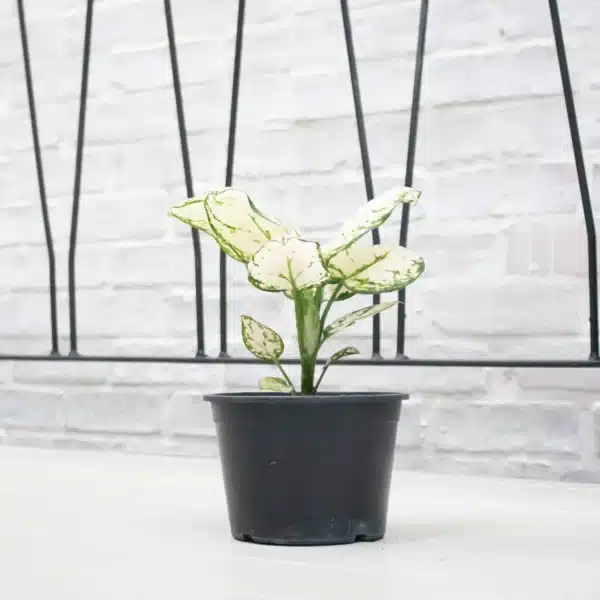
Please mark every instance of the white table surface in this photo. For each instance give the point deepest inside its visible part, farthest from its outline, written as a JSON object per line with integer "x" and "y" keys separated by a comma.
{"x": 109, "y": 526}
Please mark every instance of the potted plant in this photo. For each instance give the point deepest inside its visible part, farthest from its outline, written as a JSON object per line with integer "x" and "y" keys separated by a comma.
{"x": 300, "y": 466}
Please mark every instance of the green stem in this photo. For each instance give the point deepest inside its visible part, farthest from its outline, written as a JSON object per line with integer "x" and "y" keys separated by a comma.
{"x": 328, "y": 308}
{"x": 307, "y": 304}
{"x": 286, "y": 376}
{"x": 323, "y": 371}
{"x": 308, "y": 376}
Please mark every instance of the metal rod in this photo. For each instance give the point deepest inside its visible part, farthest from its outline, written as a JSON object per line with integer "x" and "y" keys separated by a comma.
{"x": 395, "y": 362}
{"x": 187, "y": 173}
{"x": 235, "y": 94}
{"x": 410, "y": 163}
{"x": 364, "y": 150}
{"x": 40, "y": 177}
{"x": 581, "y": 176}
{"x": 78, "y": 170}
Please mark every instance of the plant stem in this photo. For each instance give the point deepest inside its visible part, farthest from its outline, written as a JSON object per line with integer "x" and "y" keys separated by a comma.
{"x": 323, "y": 371}
{"x": 328, "y": 308}
{"x": 286, "y": 377}
{"x": 308, "y": 376}
{"x": 308, "y": 326}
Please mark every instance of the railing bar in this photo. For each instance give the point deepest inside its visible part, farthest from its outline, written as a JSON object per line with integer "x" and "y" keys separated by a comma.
{"x": 581, "y": 176}
{"x": 412, "y": 362}
{"x": 187, "y": 173}
{"x": 78, "y": 171}
{"x": 235, "y": 93}
{"x": 40, "y": 177}
{"x": 364, "y": 150}
{"x": 410, "y": 163}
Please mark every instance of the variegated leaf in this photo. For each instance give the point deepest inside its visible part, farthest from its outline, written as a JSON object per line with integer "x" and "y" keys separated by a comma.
{"x": 287, "y": 265}
{"x": 274, "y": 384}
{"x": 343, "y": 294}
{"x": 356, "y": 315}
{"x": 193, "y": 213}
{"x": 370, "y": 216}
{"x": 376, "y": 269}
{"x": 347, "y": 351}
{"x": 239, "y": 227}
{"x": 260, "y": 340}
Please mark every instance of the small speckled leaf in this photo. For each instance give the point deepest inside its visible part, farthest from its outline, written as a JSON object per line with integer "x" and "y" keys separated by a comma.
{"x": 376, "y": 269}
{"x": 287, "y": 265}
{"x": 260, "y": 340}
{"x": 354, "y": 316}
{"x": 343, "y": 294}
{"x": 193, "y": 213}
{"x": 368, "y": 217}
{"x": 347, "y": 351}
{"x": 238, "y": 226}
{"x": 274, "y": 384}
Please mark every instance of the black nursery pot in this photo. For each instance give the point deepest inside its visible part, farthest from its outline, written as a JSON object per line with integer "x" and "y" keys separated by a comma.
{"x": 307, "y": 470}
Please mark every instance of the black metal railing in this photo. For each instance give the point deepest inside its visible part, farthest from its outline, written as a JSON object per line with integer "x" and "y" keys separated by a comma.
{"x": 223, "y": 357}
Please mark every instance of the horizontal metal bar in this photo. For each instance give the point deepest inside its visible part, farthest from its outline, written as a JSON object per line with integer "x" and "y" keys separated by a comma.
{"x": 390, "y": 362}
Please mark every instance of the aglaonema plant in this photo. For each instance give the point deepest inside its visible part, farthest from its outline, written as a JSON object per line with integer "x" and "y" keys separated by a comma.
{"x": 314, "y": 276}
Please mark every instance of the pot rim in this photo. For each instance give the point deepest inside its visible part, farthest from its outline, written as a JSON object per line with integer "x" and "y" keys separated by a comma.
{"x": 318, "y": 398}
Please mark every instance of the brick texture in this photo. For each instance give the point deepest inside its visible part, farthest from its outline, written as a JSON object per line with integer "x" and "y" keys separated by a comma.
{"x": 500, "y": 223}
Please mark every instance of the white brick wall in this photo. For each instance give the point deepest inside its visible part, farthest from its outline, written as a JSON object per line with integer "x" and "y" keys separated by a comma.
{"x": 500, "y": 222}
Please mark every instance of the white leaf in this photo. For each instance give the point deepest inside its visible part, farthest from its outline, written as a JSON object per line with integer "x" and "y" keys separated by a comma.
{"x": 287, "y": 265}
{"x": 274, "y": 384}
{"x": 238, "y": 226}
{"x": 356, "y": 315}
{"x": 347, "y": 351}
{"x": 193, "y": 213}
{"x": 368, "y": 217}
{"x": 262, "y": 341}
{"x": 376, "y": 269}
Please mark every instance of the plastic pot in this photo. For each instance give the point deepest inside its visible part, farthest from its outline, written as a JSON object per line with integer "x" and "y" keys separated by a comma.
{"x": 307, "y": 470}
